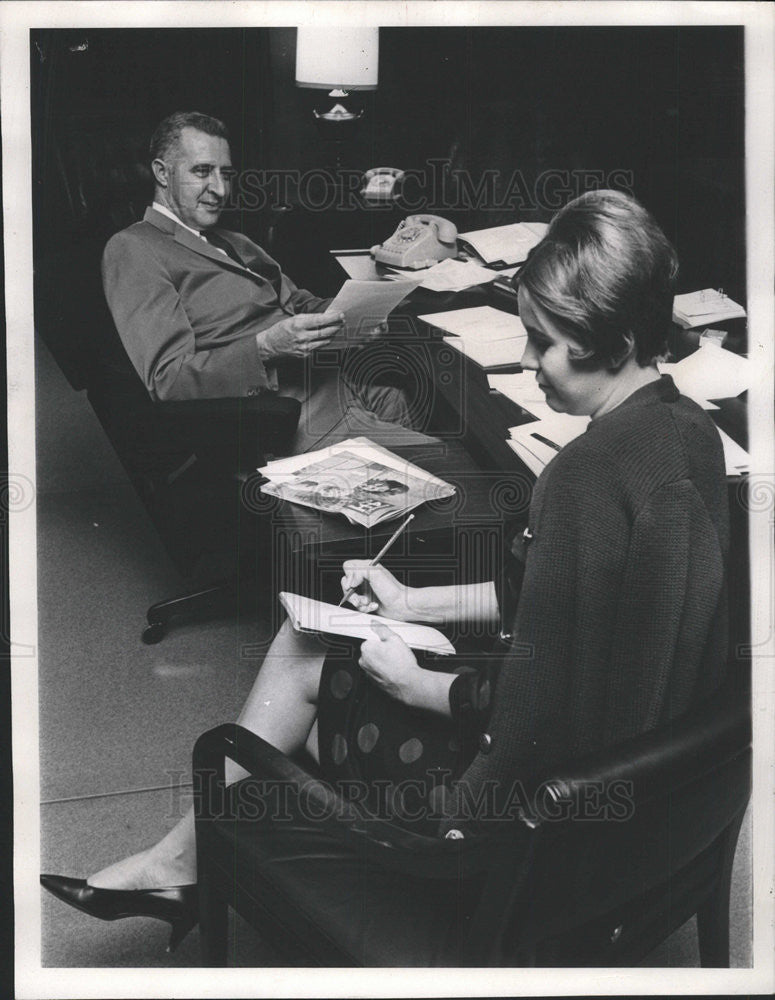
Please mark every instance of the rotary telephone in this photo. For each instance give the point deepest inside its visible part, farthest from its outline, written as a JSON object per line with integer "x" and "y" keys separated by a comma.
{"x": 380, "y": 183}
{"x": 419, "y": 241}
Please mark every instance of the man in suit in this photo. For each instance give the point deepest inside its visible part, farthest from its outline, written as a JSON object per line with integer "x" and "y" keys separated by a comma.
{"x": 204, "y": 312}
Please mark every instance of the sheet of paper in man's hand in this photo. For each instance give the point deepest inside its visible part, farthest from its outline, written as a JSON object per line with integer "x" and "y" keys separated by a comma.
{"x": 366, "y": 304}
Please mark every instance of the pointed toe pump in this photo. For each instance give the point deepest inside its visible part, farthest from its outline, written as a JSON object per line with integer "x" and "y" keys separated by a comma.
{"x": 177, "y": 904}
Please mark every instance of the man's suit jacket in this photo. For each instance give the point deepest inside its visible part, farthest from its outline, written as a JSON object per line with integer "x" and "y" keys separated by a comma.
{"x": 188, "y": 315}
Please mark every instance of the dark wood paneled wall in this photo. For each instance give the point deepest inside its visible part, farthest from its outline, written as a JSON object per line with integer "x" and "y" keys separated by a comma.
{"x": 657, "y": 109}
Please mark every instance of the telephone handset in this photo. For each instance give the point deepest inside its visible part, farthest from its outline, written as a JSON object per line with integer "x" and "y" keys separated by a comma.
{"x": 380, "y": 183}
{"x": 419, "y": 241}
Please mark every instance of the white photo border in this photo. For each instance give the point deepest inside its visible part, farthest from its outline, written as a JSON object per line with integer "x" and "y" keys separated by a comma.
{"x": 16, "y": 20}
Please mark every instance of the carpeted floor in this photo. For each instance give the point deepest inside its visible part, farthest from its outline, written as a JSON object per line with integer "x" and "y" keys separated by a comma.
{"x": 118, "y": 719}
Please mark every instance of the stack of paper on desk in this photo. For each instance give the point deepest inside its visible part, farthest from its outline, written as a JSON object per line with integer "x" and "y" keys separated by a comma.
{"x": 714, "y": 373}
{"x": 537, "y": 454}
{"x": 506, "y": 244}
{"x": 538, "y": 442}
{"x": 710, "y": 373}
{"x": 703, "y": 307}
{"x": 314, "y": 616}
{"x": 495, "y": 354}
{"x": 490, "y": 337}
{"x": 521, "y": 388}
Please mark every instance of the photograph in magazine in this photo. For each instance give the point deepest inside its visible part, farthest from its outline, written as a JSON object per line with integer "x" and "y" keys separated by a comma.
{"x": 353, "y": 480}
{"x": 390, "y": 497}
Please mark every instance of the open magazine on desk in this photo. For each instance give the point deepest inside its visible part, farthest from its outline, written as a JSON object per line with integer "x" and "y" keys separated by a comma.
{"x": 365, "y": 483}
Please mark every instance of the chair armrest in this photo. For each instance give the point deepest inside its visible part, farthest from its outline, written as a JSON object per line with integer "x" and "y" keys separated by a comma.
{"x": 664, "y": 759}
{"x": 250, "y": 427}
{"x": 655, "y": 763}
{"x": 389, "y": 845}
{"x": 267, "y": 404}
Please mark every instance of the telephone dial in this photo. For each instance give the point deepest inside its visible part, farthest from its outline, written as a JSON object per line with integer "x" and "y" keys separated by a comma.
{"x": 419, "y": 241}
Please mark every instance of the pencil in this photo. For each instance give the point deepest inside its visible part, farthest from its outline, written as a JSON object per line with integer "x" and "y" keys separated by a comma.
{"x": 375, "y": 561}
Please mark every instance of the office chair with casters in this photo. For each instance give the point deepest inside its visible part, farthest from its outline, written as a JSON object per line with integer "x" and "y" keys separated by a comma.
{"x": 187, "y": 461}
{"x": 184, "y": 459}
{"x": 604, "y": 859}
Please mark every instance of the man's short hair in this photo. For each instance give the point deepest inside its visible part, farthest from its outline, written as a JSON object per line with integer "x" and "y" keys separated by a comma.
{"x": 167, "y": 133}
{"x": 606, "y": 273}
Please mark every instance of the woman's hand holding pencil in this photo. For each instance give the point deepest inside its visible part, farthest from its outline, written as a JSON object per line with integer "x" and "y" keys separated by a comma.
{"x": 381, "y": 594}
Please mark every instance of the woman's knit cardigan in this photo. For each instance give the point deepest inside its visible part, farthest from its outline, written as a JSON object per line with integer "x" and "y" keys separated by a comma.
{"x": 622, "y": 617}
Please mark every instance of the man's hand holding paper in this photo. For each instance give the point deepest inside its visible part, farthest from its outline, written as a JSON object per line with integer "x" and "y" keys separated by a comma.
{"x": 298, "y": 336}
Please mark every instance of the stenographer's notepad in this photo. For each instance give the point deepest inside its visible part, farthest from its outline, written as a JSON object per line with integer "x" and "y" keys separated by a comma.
{"x": 315, "y": 616}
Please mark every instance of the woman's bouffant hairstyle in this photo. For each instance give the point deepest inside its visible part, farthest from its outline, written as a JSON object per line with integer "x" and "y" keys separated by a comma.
{"x": 605, "y": 272}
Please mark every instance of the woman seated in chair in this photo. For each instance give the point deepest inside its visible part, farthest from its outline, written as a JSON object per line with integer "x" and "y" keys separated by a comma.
{"x": 613, "y": 603}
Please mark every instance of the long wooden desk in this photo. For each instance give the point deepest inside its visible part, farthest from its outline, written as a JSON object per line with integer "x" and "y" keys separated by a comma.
{"x": 493, "y": 486}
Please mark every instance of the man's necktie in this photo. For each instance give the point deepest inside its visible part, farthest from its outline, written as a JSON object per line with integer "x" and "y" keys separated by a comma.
{"x": 217, "y": 241}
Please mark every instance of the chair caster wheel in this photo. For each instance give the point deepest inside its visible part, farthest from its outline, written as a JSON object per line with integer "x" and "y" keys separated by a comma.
{"x": 154, "y": 633}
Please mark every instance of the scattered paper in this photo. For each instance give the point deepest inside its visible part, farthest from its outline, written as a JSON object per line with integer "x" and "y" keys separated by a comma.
{"x": 558, "y": 429}
{"x": 736, "y": 459}
{"x": 490, "y": 337}
{"x": 711, "y": 372}
{"x": 510, "y": 244}
{"x": 534, "y": 462}
{"x": 359, "y": 266}
{"x": 490, "y": 354}
{"x": 538, "y": 441}
{"x": 455, "y": 275}
{"x": 480, "y": 324}
{"x": 521, "y": 388}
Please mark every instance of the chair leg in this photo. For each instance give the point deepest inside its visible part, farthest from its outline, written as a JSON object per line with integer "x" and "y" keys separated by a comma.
{"x": 213, "y": 925}
{"x": 219, "y": 597}
{"x": 713, "y": 915}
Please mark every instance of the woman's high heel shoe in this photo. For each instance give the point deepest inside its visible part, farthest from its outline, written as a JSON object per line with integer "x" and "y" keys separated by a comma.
{"x": 175, "y": 904}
